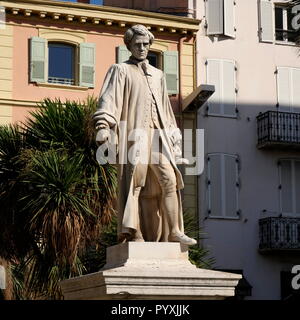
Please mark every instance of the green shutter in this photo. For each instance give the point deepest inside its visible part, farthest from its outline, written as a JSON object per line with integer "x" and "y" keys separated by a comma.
{"x": 171, "y": 71}
{"x": 87, "y": 65}
{"x": 38, "y": 63}
{"x": 123, "y": 54}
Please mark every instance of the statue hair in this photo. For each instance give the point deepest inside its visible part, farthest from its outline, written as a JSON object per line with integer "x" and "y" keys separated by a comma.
{"x": 137, "y": 29}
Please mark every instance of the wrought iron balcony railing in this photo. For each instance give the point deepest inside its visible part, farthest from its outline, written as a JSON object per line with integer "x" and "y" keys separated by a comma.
{"x": 278, "y": 129}
{"x": 279, "y": 233}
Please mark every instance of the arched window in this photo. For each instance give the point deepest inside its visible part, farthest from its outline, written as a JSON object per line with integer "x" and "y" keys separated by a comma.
{"x": 61, "y": 63}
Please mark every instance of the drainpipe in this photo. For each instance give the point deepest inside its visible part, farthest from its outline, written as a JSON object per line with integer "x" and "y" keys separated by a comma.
{"x": 180, "y": 70}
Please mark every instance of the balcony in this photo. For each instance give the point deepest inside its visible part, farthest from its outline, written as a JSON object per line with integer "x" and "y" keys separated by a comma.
{"x": 278, "y": 130}
{"x": 279, "y": 234}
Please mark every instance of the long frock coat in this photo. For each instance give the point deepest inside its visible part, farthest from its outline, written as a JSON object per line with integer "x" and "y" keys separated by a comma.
{"x": 124, "y": 105}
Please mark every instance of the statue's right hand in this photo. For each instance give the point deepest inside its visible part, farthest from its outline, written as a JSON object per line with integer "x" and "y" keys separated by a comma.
{"x": 102, "y": 136}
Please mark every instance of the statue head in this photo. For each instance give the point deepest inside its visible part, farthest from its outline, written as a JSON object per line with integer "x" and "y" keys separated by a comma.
{"x": 138, "y": 40}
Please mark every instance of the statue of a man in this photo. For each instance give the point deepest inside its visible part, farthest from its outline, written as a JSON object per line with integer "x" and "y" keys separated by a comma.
{"x": 135, "y": 106}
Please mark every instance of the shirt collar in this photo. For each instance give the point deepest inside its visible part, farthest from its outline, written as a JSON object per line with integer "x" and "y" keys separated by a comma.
{"x": 140, "y": 63}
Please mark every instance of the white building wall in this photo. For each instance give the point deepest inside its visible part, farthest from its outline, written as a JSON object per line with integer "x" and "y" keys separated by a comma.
{"x": 234, "y": 243}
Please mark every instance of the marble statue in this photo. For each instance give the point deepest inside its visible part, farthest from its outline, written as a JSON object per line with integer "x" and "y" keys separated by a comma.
{"x": 134, "y": 107}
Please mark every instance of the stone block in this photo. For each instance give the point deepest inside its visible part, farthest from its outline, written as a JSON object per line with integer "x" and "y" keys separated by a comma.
{"x": 150, "y": 270}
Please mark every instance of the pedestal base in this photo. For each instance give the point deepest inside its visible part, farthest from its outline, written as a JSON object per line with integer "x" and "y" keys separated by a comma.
{"x": 150, "y": 270}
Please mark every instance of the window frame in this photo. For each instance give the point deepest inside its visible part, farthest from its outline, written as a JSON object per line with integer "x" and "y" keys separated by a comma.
{"x": 223, "y": 187}
{"x": 83, "y": 60}
{"x": 75, "y": 62}
{"x": 267, "y": 22}
{"x": 285, "y": 24}
{"x": 159, "y": 55}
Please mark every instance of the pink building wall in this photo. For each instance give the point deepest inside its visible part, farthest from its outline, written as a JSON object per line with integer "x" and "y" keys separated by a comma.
{"x": 106, "y": 43}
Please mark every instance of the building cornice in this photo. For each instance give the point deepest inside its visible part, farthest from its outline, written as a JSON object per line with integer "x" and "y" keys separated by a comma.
{"x": 101, "y": 15}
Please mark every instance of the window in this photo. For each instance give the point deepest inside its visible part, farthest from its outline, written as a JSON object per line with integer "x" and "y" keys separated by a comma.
{"x": 223, "y": 185}
{"x": 283, "y": 24}
{"x": 289, "y": 186}
{"x": 155, "y": 59}
{"x": 56, "y": 62}
{"x": 99, "y": 2}
{"x": 276, "y": 22}
{"x": 288, "y": 89}
{"x": 166, "y": 61}
{"x": 220, "y": 18}
{"x": 61, "y": 68}
{"x": 221, "y": 74}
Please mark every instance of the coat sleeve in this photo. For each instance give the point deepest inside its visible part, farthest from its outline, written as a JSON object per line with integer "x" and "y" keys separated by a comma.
{"x": 171, "y": 125}
{"x": 111, "y": 98}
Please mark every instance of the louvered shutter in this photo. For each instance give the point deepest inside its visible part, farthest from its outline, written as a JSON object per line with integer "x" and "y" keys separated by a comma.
{"x": 123, "y": 54}
{"x": 87, "y": 65}
{"x": 296, "y": 89}
{"x": 214, "y": 185}
{"x": 229, "y": 28}
{"x": 297, "y": 186}
{"x": 231, "y": 181}
{"x": 266, "y": 21}
{"x": 229, "y": 88}
{"x": 221, "y": 74}
{"x": 286, "y": 186}
{"x": 171, "y": 71}
{"x": 214, "y": 77}
{"x": 38, "y": 63}
{"x": 284, "y": 88}
{"x": 215, "y": 17}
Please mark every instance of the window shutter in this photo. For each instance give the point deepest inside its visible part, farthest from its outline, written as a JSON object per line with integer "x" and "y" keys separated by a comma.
{"x": 296, "y": 89}
{"x": 231, "y": 185}
{"x": 171, "y": 71}
{"x": 215, "y": 17}
{"x": 297, "y": 186}
{"x": 266, "y": 21}
{"x": 286, "y": 189}
{"x": 38, "y": 63}
{"x": 284, "y": 88}
{"x": 214, "y": 185}
{"x": 87, "y": 65}
{"x": 229, "y": 28}
{"x": 214, "y": 77}
{"x": 221, "y": 74}
{"x": 229, "y": 89}
{"x": 123, "y": 54}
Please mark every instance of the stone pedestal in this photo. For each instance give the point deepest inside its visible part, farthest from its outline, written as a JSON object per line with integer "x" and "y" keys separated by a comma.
{"x": 150, "y": 270}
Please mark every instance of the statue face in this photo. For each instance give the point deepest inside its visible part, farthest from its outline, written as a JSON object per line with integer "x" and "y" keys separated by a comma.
{"x": 139, "y": 46}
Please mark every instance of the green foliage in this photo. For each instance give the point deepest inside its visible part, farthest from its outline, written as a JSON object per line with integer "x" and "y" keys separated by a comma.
{"x": 54, "y": 196}
{"x": 197, "y": 255}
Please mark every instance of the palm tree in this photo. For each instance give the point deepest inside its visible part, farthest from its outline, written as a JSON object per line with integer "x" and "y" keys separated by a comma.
{"x": 55, "y": 197}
